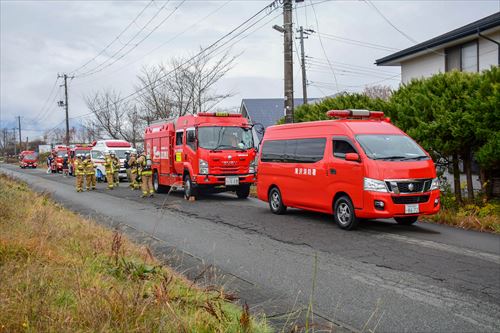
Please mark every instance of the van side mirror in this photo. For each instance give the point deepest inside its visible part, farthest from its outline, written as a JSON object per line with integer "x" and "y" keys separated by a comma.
{"x": 352, "y": 157}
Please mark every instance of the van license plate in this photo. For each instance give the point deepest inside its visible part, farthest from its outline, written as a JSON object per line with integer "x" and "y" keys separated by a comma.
{"x": 411, "y": 209}
{"x": 232, "y": 181}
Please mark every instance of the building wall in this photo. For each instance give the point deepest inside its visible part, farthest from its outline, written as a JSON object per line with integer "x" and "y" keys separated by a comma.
{"x": 488, "y": 51}
{"x": 424, "y": 66}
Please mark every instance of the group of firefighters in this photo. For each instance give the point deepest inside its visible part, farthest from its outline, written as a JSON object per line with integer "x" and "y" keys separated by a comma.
{"x": 138, "y": 169}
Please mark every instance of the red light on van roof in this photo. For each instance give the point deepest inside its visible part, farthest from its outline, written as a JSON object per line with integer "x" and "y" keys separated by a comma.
{"x": 219, "y": 114}
{"x": 356, "y": 114}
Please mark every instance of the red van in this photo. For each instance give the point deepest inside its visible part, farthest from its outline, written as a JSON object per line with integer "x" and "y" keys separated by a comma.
{"x": 359, "y": 166}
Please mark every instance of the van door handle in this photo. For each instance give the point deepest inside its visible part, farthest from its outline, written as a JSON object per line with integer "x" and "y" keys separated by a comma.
{"x": 333, "y": 171}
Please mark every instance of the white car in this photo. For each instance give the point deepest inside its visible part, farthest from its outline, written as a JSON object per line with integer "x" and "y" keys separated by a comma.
{"x": 97, "y": 154}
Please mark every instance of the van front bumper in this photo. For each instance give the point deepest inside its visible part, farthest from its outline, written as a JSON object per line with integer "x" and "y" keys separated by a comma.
{"x": 394, "y": 205}
{"x": 217, "y": 180}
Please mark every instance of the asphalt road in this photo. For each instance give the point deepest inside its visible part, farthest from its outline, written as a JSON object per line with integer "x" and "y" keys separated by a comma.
{"x": 382, "y": 277}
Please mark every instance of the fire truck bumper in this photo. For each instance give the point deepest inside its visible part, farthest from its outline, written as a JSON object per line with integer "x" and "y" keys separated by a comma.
{"x": 219, "y": 180}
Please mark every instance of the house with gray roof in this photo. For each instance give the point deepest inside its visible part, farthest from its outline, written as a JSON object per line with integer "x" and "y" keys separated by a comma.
{"x": 472, "y": 48}
{"x": 267, "y": 111}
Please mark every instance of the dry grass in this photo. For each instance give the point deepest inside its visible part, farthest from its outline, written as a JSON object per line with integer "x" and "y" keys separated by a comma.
{"x": 62, "y": 273}
{"x": 469, "y": 220}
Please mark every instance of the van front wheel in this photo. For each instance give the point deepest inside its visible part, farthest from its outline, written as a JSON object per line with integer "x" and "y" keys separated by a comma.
{"x": 275, "y": 202}
{"x": 344, "y": 214}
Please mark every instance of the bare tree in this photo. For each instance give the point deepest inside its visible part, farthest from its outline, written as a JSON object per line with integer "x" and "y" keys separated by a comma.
{"x": 378, "y": 91}
{"x": 108, "y": 110}
{"x": 183, "y": 86}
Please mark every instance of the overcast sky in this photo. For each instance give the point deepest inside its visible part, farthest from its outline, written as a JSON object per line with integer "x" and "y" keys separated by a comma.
{"x": 40, "y": 39}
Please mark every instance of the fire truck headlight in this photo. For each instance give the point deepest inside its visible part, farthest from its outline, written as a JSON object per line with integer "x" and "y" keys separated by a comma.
{"x": 203, "y": 167}
{"x": 252, "y": 168}
{"x": 435, "y": 184}
{"x": 374, "y": 185}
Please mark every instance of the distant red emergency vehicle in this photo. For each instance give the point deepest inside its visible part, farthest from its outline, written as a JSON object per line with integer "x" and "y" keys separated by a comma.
{"x": 207, "y": 151}
{"x": 28, "y": 159}
{"x": 59, "y": 152}
{"x": 73, "y": 151}
{"x": 359, "y": 166}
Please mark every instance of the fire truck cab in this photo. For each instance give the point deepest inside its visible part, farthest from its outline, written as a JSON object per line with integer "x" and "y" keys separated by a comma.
{"x": 59, "y": 152}
{"x": 28, "y": 159}
{"x": 208, "y": 151}
{"x": 74, "y": 150}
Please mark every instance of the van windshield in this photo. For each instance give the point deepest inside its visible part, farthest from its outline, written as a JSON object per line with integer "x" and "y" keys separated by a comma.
{"x": 225, "y": 138}
{"x": 390, "y": 147}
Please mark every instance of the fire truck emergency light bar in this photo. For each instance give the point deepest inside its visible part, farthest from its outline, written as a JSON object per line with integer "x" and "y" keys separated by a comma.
{"x": 354, "y": 113}
{"x": 218, "y": 114}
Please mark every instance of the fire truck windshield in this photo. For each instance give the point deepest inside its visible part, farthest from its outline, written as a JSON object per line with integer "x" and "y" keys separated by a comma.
{"x": 30, "y": 157}
{"x": 82, "y": 151}
{"x": 225, "y": 138}
{"x": 61, "y": 153}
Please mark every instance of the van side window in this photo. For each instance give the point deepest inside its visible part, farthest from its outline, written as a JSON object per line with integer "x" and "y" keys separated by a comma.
{"x": 191, "y": 139}
{"x": 342, "y": 147}
{"x": 273, "y": 151}
{"x": 309, "y": 150}
{"x": 294, "y": 151}
{"x": 178, "y": 138}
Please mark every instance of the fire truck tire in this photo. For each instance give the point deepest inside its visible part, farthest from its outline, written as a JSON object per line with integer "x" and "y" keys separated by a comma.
{"x": 406, "y": 220}
{"x": 189, "y": 190}
{"x": 344, "y": 214}
{"x": 156, "y": 185}
{"x": 243, "y": 191}
{"x": 275, "y": 202}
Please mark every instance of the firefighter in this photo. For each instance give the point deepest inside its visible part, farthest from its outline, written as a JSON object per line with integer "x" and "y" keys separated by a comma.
{"x": 90, "y": 179}
{"x": 79, "y": 172}
{"x": 132, "y": 164}
{"x": 108, "y": 166}
{"x": 127, "y": 167}
{"x": 116, "y": 168}
{"x": 146, "y": 173}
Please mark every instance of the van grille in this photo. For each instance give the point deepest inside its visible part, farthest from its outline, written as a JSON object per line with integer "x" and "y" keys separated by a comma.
{"x": 409, "y": 186}
{"x": 413, "y": 199}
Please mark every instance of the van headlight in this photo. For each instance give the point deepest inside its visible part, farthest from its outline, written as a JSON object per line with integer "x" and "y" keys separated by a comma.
{"x": 374, "y": 185}
{"x": 203, "y": 167}
{"x": 435, "y": 184}
{"x": 252, "y": 168}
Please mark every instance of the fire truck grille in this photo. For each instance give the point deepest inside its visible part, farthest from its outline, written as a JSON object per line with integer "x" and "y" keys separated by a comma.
{"x": 410, "y": 199}
{"x": 420, "y": 185}
{"x": 226, "y": 169}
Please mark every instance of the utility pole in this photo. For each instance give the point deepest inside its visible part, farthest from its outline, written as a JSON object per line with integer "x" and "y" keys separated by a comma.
{"x": 303, "y": 35}
{"x": 65, "y": 103}
{"x": 19, "y": 126}
{"x": 288, "y": 54}
{"x": 27, "y": 142}
{"x": 15, "y": 145}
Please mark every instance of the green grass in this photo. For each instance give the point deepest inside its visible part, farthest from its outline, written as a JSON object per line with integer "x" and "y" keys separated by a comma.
{"x": 62, "y": 273}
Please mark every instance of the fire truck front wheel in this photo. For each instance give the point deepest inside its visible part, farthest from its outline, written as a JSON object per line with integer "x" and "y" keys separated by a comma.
{"x": 243, "y": 191}
{"x": 189, "y": 189}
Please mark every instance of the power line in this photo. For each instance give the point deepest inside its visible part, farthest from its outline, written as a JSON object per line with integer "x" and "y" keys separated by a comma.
{"x": 358, "y": 42}
{"x": 45, "y": 104}
{"x": 390, "y": 23}
{"x": 198, "y": 21}
{"x": 321, "y": 43}
{"x": 116, "y": 38}
{"x": 100, "y": 67}
{"x": 272, "y": 6}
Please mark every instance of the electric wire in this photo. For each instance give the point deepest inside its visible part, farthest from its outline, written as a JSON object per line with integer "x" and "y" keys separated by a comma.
{"x": 114, "y": 40}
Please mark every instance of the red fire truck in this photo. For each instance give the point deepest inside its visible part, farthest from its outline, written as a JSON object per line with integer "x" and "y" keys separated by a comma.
{"x": 74, "y": 150}
{"x": 28, "y": 159}
{"x": 59, "y": 152}
{"x": 207, "y": 151}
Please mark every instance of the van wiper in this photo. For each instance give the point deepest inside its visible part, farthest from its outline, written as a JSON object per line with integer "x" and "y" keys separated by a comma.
{"x": 418, "y": 157}
{"x": 390, "y": 158}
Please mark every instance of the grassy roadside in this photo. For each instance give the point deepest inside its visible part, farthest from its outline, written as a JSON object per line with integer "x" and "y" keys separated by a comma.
{"x": 62, "y": 273}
